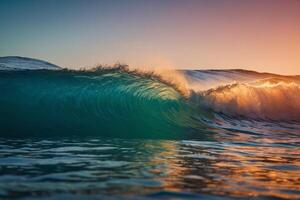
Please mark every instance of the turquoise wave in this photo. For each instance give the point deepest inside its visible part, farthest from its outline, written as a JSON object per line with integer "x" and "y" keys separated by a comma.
{"x": 106, "y": 102}
{"x": 43, "y": 100}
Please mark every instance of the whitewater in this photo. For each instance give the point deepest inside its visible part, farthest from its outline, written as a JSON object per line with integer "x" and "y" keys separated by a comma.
{"x": 159, "y": 132}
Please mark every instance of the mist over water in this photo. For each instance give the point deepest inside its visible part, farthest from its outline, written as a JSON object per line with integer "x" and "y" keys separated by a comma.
{"x": 124, "y": 133}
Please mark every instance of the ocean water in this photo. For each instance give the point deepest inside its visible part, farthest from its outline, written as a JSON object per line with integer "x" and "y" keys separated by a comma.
{"x": 118, "y": 133}
{"x": 94, "y": 168}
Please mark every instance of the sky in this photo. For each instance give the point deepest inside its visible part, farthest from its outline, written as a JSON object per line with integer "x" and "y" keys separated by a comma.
{"x": 261, "y": 35}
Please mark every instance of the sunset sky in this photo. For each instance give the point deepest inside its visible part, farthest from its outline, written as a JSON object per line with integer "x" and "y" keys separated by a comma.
{"x": 262, "y": 35}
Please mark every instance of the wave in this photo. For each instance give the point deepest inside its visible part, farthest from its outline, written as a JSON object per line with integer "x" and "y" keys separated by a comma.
{"x": 104, "y": 102}
{"x": 202, "y": 80}
{"x": 123, "y": 102}
{"x": 17, "y": 63}
{"x": 257, "y": 100}
{"x": 247, "y": 94}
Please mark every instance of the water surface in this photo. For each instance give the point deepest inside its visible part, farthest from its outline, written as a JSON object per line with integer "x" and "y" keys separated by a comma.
{"x": 150, "y": 169}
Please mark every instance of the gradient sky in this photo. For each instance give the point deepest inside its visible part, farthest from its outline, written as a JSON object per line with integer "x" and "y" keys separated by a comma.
{"x": 262, "y": 35}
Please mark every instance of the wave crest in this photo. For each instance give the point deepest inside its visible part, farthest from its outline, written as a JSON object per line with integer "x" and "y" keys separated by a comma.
{"x": 264, "y": 99}
{"x": 170, "y": 77}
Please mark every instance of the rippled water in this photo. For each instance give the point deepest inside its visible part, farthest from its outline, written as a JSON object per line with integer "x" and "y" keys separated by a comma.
{"x": 92, "y": 168}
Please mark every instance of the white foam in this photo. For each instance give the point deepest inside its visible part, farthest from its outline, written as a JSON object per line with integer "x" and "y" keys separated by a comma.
{"x": 258, "y": 100}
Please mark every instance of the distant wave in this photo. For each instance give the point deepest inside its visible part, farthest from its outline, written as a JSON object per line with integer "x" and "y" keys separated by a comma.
{"x": 23, "y": 63}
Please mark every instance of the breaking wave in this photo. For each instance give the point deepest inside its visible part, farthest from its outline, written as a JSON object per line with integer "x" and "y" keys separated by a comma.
{"x": 107, "y": 102}
{"x": 123, "y": 102}
{"x": 258, "y": 100}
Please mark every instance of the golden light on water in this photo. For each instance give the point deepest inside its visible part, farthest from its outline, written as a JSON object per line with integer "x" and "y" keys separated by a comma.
{"x": 234, "y": 170}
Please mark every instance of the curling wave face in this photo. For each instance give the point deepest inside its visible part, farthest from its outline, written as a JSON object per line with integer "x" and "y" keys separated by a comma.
{"x": 107, "y": 102}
